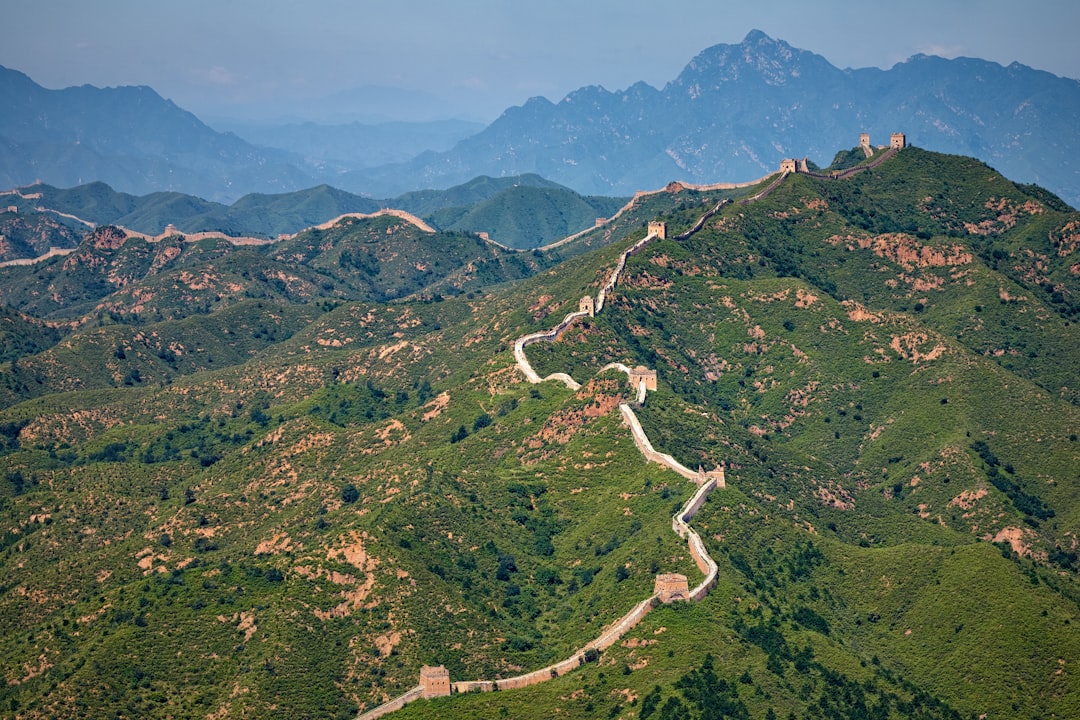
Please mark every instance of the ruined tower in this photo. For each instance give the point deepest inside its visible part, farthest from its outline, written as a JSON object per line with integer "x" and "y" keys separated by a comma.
{"x": 659, "y": 229}
{"x": 435, "y": 681}
{"x": 643, "y": 374}
{"x": 587, "y": 305}
{"x": 716, "y": 474}
{"x": 671, "y": 587}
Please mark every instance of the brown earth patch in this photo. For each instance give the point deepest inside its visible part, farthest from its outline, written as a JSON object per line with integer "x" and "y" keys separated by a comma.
{"x": 275, "y": 546}
{"x": 907, "y": 252}
{"x": 833, "y": 495}
{"x": 911, "y": 346}
{"x": 804, "y": 299}
{"x": 387, "y": 642}
{"x": 1066, "y": 239}
{"x": 245, "y": 623}
{"x": 1015, "y": 537}
{"x": 967, "y": 499}
{"x": 603, "y": 396}
{"x": 435, "y": 407}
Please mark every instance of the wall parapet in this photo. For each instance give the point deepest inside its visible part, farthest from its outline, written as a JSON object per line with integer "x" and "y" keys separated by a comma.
{"x": 680, "y": 524}
{"x": 546, "y": 335}
{"x": 645, "y": 446}
{"x": 391, "y": 705}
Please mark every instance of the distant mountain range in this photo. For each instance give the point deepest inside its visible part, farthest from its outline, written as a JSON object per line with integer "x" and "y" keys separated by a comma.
{"x": 356, "y": 144}
{"x": 131, "y": 138}
{"x": 520, "y": 212}
{"x": 732, "y": 114}
{"x": 736, "y": 110}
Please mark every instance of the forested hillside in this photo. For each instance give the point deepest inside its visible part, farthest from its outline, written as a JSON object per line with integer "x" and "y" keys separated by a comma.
{"x": 278, "y": 480}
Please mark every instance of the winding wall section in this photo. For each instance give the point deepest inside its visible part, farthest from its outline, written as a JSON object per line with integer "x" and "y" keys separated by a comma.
{"x": 680, "y": 522}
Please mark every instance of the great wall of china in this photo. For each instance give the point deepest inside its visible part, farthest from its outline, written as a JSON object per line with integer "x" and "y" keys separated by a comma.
{"x": 434, "y": 681}
{"x": 896, "y": 142}
{"x": 669, "y": 587}
{"x": 171, "y": 231}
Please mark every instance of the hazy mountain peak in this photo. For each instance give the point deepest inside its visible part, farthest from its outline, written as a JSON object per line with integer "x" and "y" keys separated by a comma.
{"x": 758, "y": 57}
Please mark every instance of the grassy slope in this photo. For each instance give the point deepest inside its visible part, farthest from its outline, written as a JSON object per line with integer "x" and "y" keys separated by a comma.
{"x": 525, "y": 217}
{"x": 501, "y": 551}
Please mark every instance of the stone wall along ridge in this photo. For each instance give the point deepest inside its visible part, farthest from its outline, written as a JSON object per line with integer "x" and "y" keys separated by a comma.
{"x": 680, "y": 522}
{"x": 396, "y": 704}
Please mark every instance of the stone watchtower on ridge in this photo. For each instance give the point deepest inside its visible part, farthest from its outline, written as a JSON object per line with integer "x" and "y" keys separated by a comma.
{"x": 671, "y": 586}
{"x": 898, "y": 141}
{"x": 642, "y": 374}
{"x": 716, "y": 474}
{"x": 434, "y": 681}
{"x": 788, "y": 165}
{"x": 659, "y": 229}
{"x": 587, "y": 305}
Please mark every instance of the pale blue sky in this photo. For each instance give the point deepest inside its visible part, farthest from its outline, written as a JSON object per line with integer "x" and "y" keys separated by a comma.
{"x": 251, "y": 57}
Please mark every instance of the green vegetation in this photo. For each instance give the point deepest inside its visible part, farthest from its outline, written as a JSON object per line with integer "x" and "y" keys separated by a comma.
{"x": 278, "y": 480}
{"x": 524, "y": 211}
{"x": 526, "y": 217}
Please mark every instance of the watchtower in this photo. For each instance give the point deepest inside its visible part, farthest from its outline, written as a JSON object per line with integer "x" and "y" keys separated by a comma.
{"x": 435, "y": 681}
{"x": 588, "y": 305}
{"x": 898, "y": 141}
{"x": 659, "y": 229}
{"x": 716, "y": 474}
{"x": 642, "y": 374}
{"x": 788, "y": 165}
{"x": 864, "y": 140}
{"x": 671, "y": 587}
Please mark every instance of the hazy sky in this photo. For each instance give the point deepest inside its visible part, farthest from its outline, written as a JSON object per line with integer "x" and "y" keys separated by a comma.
{"x": 247, "y": 58}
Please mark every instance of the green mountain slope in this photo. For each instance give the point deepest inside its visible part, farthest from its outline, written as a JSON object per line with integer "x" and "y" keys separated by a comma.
{"x": 526, "y": 217}
{"x": 29, "y": 234}
{"x": 362, "y": 483}
{"x": 524, "y": 211}
{"x": 477, "y": 190}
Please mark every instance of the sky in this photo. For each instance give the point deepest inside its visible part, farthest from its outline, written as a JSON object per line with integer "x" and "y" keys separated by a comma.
{"x": 266, "y": 60}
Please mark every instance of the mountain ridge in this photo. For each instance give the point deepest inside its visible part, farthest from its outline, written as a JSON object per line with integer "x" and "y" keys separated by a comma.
{"x": 732, "y": 112}
{"x": 744, "y": 107}
{"x": 481, "y": 205}
{"x": 314, "y": 494}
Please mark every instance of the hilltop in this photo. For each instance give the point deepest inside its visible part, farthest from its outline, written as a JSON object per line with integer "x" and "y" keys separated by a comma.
{"x": 361, "y": 482}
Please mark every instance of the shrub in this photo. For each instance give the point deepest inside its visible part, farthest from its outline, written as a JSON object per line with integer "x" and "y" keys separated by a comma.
{"x": 349, "y": 494}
